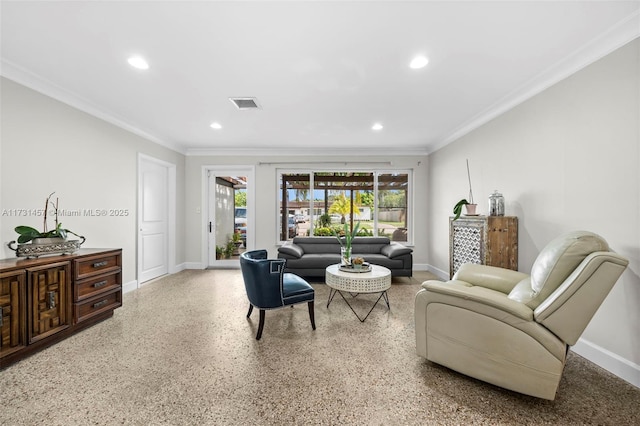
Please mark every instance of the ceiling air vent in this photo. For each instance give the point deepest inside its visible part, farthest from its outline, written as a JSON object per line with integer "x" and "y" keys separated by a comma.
{"x": 245, "y": 103}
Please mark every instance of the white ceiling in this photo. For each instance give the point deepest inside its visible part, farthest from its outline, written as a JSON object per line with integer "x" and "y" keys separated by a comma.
{"x": 323, "y": 72}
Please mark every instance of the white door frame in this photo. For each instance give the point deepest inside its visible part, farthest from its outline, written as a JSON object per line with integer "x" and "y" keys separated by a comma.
{"x": 249, "y": 172}
{"x": 171, "y": 215}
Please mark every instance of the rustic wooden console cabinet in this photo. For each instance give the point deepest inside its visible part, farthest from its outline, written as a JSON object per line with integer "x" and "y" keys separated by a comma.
{"x": 45, "y": 300}
{"x": 486, "y": 240}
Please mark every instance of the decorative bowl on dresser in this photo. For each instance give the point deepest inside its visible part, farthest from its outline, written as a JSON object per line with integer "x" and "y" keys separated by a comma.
{"x": 45, "y": 300}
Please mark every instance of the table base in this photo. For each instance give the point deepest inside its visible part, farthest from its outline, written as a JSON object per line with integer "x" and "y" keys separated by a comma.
{"x": 383, "y": 294}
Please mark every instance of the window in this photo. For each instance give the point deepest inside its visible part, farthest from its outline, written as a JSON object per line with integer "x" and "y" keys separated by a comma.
{"x": 391, "y": 208}
{"x": 317, "y": 202}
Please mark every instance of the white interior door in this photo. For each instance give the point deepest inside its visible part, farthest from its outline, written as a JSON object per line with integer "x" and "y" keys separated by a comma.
{"x": 153, "y": 213}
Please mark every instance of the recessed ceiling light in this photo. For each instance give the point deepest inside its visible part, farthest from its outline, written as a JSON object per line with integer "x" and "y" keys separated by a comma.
{"x": 216, "y": 125}
{"x": 377, "y": 126}
{"x": 138, "y": 62}
{"x": 419, "y": 62}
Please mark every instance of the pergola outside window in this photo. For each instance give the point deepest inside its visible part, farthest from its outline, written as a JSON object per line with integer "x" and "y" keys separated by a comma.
{"x": 315, "y": 202}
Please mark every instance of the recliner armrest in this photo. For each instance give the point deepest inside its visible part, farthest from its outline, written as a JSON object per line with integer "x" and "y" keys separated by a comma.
{"x": 499, "y": 279}
{"x": 475, "y": 294}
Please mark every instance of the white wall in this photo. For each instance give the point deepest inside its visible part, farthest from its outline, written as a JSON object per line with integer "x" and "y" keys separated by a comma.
{"x": 48, "y": 146}
{"x": 566, "y": 159}
{"x": 267, "y": 201}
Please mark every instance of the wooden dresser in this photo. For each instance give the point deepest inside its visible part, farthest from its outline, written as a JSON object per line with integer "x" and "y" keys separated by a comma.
{"x": 486, "y": 240}
{"x": 45, "y": 300}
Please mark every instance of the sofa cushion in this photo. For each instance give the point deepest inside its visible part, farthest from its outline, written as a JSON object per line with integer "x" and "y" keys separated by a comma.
{"x": 318, "y": 244}
{"x": 369, "y": 244}
{"x": 314, "y": 261}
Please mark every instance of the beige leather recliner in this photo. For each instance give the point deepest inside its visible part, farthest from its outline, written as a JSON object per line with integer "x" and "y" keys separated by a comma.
{"x": 512, "y": 329}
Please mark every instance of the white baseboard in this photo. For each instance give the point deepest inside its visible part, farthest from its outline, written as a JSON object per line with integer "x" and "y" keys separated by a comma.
{"x": 193, "y": 265}
{"x": 443, "y": 275}
{"x": 613, "y": 363}
{"x": 130, "y": 286}
{"x": 177, "y": 268}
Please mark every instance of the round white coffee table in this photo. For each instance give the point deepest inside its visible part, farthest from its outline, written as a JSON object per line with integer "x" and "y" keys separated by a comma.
{"x": 377, "y": 280}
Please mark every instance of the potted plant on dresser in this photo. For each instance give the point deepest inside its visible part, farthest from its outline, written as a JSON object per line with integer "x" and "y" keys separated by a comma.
{"x": 34, "y": 243}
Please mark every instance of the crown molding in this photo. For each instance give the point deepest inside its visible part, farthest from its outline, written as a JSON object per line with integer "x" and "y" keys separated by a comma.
{"x": 352, "y": 154}
{"x": 614, "y": 38}
{"x": 35, "y": 82}
{"x": 617, "y": 36}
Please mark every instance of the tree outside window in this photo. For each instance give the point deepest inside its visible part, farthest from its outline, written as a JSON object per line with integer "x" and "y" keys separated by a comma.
{"x": 312, "y": 203}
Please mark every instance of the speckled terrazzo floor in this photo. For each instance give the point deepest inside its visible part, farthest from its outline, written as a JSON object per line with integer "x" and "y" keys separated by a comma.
{"x": 181, "y": 352}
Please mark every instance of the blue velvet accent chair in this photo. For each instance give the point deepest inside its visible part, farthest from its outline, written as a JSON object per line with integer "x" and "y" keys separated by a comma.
{"x": 269, "y": 287}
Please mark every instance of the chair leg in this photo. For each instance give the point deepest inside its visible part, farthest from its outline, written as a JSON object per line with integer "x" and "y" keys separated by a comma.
{"x": 312, "y": 315}
{"x": 261, "y": 325}
{"x": 250, "y": 310}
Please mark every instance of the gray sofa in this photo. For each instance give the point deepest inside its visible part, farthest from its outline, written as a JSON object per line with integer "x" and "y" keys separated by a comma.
{"x": 310, "y": 256}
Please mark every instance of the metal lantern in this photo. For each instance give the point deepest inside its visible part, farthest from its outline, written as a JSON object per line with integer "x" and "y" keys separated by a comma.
{"x": 496, "y": 204}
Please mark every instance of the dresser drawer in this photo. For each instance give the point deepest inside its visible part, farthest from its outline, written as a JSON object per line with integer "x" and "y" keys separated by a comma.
{"x": 97, "y": 305}
{"x": 90, "y": 287}
{"x": 90, "y": 266}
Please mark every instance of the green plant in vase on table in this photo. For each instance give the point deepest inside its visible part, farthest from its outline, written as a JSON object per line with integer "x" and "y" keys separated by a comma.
{"x": 345, "y": 239}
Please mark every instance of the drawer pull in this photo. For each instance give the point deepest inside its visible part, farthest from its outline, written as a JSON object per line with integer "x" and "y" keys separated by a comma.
{"x": 100, "y": 264}
{"x": 100, "y": 304}
{"x": 100, "y": 284}
{"x": 51, "y": 303}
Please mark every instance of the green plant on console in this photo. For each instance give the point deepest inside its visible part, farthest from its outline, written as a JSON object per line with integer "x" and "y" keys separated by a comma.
{"x": 27, "y": 233}
{"x": 457, "y": 209}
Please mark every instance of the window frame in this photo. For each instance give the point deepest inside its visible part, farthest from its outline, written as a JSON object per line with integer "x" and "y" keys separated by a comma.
{"x": 376, "y": 172}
